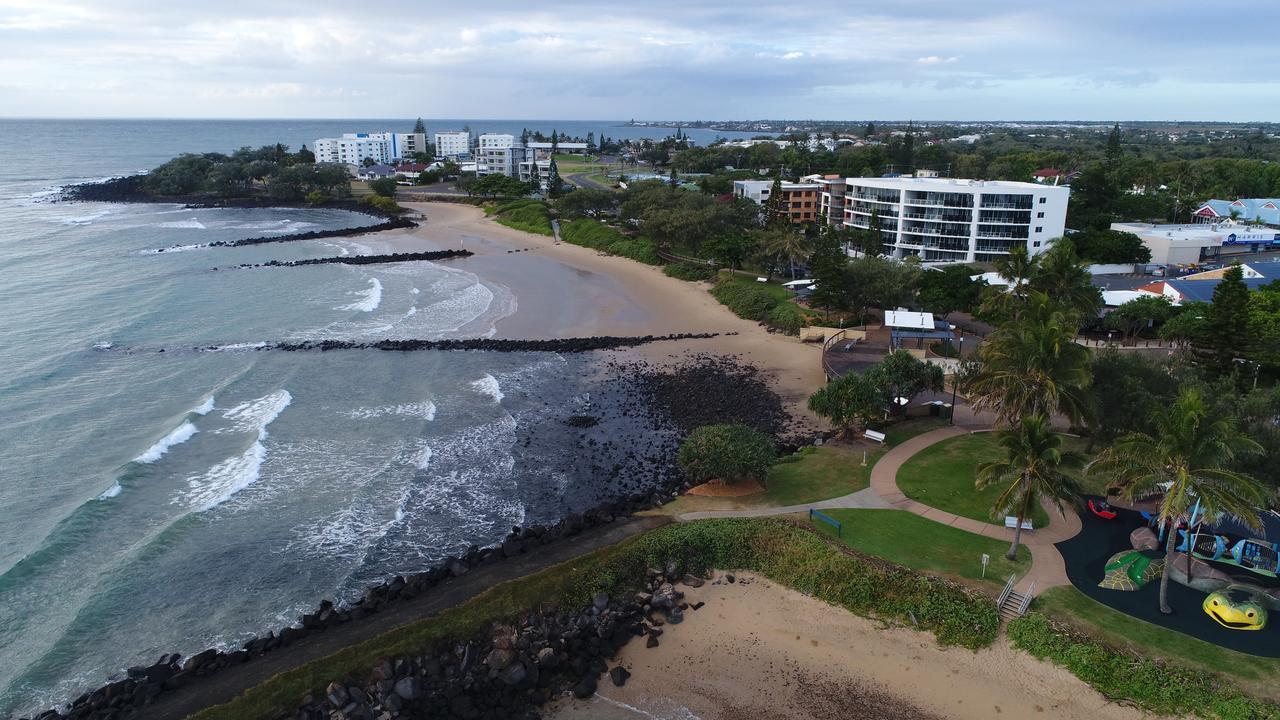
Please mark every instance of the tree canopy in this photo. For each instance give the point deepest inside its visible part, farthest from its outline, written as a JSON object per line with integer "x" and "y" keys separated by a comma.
{"x": 730, "y": 453}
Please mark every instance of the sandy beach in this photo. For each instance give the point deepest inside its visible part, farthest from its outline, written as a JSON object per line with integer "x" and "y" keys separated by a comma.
{"x": 759, "y": 651}
{"x": 563, "y": 290}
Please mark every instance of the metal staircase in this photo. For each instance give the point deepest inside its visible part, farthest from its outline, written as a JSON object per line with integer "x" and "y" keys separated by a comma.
{"x": 1014, "y": 604}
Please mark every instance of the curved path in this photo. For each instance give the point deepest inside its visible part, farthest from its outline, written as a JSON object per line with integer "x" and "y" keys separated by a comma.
{"x": 1047, "y": 567}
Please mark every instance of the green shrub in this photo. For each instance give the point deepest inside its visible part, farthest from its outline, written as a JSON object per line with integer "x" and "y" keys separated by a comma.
{"x": 784, "y": 553}
{"x": 605, "y": 238}
{"x": 386, "y": 187}
{"x": 787, "y": 317}
{"x": 692, "y": 272}
{"x": 746, "y": 301}
{"x": 531, "y": 216}
{"x": 1154, "y": 686}
{"x": 315, "y": 197}
{"x": 725, "y": 452}
{"x": 380, "y": 203}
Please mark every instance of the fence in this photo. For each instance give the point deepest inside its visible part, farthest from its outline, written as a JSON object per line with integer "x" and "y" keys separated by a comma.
{"x": 815, "y": 515}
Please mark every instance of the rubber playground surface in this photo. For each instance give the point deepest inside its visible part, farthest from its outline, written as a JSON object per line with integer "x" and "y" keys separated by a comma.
{"x": 1087, "y": 553}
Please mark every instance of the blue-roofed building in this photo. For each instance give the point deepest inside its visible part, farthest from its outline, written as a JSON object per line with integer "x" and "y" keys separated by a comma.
{"x": 1253, "y": 210}
{"x": 1199, "y": 287}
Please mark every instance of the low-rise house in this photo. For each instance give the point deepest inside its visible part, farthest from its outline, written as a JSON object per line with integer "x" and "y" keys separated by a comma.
{"x": 375, "y": 172}
{"x": 1265, "y": 211}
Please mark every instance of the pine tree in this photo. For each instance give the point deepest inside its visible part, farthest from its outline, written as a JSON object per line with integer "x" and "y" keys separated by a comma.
{"x": 826, "y": 267}
{"x": 775, "y": 208}
{"x": 872, "y": 241}
{"x": 420, "y": 127}
{"x": 524, "y": 137}
{"x": 1227, "y": 322}
{"x": 555, "y": 142}
{"x": 555, "y": 185}
{"x": 591, "y": 143}
{"x": 871, "y": 130}
{"x": 1113, "y": 148}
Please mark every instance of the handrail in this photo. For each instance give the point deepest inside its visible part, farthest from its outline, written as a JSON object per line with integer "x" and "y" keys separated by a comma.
{"x": 1008, "y": 588}
{"x": 826, "y": 367}
{"x": 1026, "y": 599}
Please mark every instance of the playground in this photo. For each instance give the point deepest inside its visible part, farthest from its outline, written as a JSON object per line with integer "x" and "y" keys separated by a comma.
{"x": 1110, "y": 543}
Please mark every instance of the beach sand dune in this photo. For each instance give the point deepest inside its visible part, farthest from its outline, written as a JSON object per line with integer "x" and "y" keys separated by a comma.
{"x": 759, "y": 651}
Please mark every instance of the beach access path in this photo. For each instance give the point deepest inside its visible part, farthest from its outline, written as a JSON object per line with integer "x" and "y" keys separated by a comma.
{"x": 226, "y": 684}
{"x": 1047, "y": 566}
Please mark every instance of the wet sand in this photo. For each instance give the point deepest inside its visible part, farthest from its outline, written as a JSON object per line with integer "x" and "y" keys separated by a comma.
{"x": 569, "y": 291}
{"x": 759, "y": 651}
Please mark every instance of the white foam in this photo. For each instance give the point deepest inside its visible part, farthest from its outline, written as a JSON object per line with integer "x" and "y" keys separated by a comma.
{"x": 257, "y": 414}
{"x": 177, "y": 436}
{"x": 415, "y": 291}
{"x": 85, "y": 219}
{"x": 488, "y": 385}
{"x": 369, "y": 300}
{"x": 102, "y": 345}
{"x": 425, "y": 410}
{"x": 175, "y": 249}
{"x": 239, "y": 346}
{"x": 221, "y": 482}
{"x": 422, "y": 458}
{"x": 191, "y": 224}
{"x": 111, "y": 492}
{"x": 205, "y": 407}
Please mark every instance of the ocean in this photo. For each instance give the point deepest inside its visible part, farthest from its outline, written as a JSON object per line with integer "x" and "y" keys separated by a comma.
{"x": 170, "y": 501}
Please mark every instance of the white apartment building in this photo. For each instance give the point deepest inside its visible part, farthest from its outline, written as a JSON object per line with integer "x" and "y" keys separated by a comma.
{"x": 498, "y": 153}
{"x": 383, "y": 147}
{"x": 949, "y": 220}
{"x": 539, "y": 170}
{"x": 453, "y": 144}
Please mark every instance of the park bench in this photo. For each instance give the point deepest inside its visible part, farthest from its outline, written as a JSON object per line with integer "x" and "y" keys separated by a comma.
{"x": 875, "y": 435}
{"x": 1012, "y": 522}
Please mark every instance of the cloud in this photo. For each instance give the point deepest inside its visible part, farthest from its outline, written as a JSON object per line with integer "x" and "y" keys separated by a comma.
{"x": 611, "y": 59}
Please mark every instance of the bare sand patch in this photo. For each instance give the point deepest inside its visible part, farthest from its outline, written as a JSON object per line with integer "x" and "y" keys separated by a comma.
{"x": 716, "y": 488}
{"x": 759, "y": 651}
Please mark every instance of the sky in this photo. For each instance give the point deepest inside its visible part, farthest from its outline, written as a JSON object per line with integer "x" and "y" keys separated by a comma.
{"x": 643, "y": 59}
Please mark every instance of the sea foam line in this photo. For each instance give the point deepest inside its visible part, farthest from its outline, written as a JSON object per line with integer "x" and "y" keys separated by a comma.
{"x": 177, "y": 436}
{"x": 222, "y": 481}
{"x": 369, "y": 300}
{"x": 488, "y": 385}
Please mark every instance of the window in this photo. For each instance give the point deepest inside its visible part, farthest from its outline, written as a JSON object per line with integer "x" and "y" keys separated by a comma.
{"x": 1036, "y": 244}
{"x": 1042, "y": 200}
{"x": 1039, "y": 215}
{"x": 1039, "y": 229}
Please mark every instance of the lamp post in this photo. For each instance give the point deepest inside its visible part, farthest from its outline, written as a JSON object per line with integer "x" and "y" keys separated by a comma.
{"x": 959, "y": 356}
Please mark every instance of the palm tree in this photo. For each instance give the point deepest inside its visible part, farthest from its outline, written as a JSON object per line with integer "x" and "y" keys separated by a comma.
{"x": 1016, "y": 269}
{"x": 785, "y": 241}
{"x": 1188, "y": 459}
{"x": 1061, "y": 274}
{"x": 1032, "y": 366}
{"x": 1032, "y": 469}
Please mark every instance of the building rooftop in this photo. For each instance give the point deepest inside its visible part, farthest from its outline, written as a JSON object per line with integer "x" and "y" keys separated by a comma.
{"x": 939, "y": 184}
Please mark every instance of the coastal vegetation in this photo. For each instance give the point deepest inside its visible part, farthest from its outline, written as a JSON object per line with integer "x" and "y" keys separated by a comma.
{"x": 270, "y": 171}
{"x": 1154, "y": 686}
{"x": 729, "y": 453}
{"x": 784, "y": 553}
{"x": 874, "y": 395}
{"x": 527, "y": 215}
{"x": 766, "y": 303}
{"x": 608, "y": 239}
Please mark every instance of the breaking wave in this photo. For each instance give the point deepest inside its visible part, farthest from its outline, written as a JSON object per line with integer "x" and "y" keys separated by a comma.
{"x": 369, "y": 300}
{"x": 179, "y": 435}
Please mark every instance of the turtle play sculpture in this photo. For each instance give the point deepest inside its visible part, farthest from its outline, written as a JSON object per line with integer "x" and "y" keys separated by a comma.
{"x": 1236, "y": 608}
{"x": 1129, "y": 570}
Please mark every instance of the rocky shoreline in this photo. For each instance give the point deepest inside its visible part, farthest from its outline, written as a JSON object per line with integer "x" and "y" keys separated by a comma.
{"x": 680, "y": 397}
{"x": 556, "y": 345}
{"x": 365, "y": 259}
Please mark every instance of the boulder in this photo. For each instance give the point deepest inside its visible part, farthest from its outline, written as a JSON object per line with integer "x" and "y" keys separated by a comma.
{"x": 586, "y": 687}
{"x": 547, "y": 658}
{"x": 499, "y": 658}
{"x": 1144, "y": 538}
{"x": 336, "y": 694}
{"x": 619, "y": 676}
{"x": 408, "y": 688}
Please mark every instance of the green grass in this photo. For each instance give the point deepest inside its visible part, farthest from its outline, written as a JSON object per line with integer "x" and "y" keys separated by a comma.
{"x": 817, "y": 473}
{"x": 1141, "y": 680}
{"x": 920, "y": 543}
{"x": 942, "y": 476}
{"x": 785, "y": 553}
{"x": 900, "y": 432}
{"x": 769, "y": 303}
{"x": 528, "y": 215}
{"x": 1255, "y": 674}
{"x": 575, "y": 164}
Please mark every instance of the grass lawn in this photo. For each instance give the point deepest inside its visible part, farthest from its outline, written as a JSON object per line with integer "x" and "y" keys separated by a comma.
{"x": 1255, "y": 675}
{"x": 816, "y": 473}
{"x": 923, "y": 544}
{"x": 900, "y": 432}
{"x": 942, "y": 476}
{"x": 575, "y": 164}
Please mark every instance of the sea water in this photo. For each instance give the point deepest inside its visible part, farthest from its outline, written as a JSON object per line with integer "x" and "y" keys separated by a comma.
{"x": 168, "y": 485}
